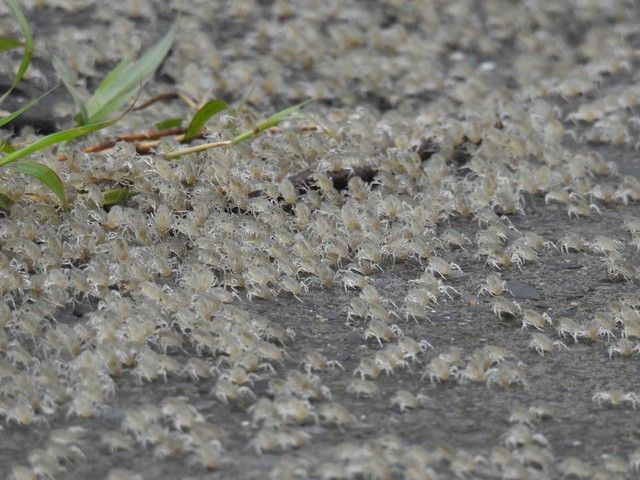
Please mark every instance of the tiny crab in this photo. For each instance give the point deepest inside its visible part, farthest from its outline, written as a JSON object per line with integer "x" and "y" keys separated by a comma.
{"x": 438, "y": 265}
{"x": 440, "y": 370}
{"x": 225, "y": 390}
{"x": 362, "y": 388}
{"x": 390, "y": 358}
{"x": 615, "y": 398}
{"x": 354, "y": 280}
{"x": 368, "y": 368}
{"x": 336, "y": 414}
{"x": 522, "y": 253}
{"x": 543, "y": 344}
{"x": 404, "y": 400}
{"x": 270, "y": 440}
{"x": 381, "y": 331}
{"x": 605, "y": 324}
{"x": 522, "y": 415}
{"x": 316, "y": 362}
{"x": 502, "y": 306}
{"x": 572, "y": 242}
{"x": 454, "y": 239}
{"x": 494, "y": 285}
{"x": 295, "y": 410}
{"x": 505, "y": 375}
{"x": 197, "y": 369}
{"x": 567, "y": 326}
{"x": 573, "y": 467}
{"x": 537, "y": 320}
{"x": 411, "y": 348}
{"x": 605, "y": 245}
{"x": 239, "y": 376}
{"x": 520, "y": 435}
{"x": 580, "y": 208}
{"x": 624, "y": 347}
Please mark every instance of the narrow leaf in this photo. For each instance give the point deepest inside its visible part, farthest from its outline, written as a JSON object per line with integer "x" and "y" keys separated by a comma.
{"x": 6, "y": 119}
{"x": 54, "y": 138}
{"x": 272, "y": 121}
{"x": 205, "y": 112}
{"x": 45, "y": 174}
{"x": 6, "y": 148}
{"x": 122, "y": 85}
{"x": 68, "y": 80}
{"x": 173, "y": 122}
{"x": 5, "y": 202}
{"x": 9, "y": 43}
{"x": 114, "y": 74}
{"x": 115, "y": 196}
{"x": 28, "y": 46}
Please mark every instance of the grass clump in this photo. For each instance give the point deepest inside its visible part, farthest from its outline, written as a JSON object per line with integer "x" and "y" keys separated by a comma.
{"x": 117, "y": 88}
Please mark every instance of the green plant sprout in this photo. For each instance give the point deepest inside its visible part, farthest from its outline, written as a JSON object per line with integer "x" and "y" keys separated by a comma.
{"x": 115, "y": 89}
{"x": 119, "y": 85}
{"x": 270, "y": 122}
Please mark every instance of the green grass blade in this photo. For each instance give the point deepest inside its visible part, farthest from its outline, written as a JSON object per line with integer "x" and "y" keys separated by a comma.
{"x": 115, "y": 196}
{"x": 67, "y": 78}
{"x": 5, "y": 202}
{"x": 6, "y": 119}
{"x": 55, "y": 138}
{"x": 9, "y": 43}
{"x": 272, "y": 121}
{"x": 6, "y": 148}
{"x": 45, "y": 175}
{"x": 114, "y": 74}
{"x": 174, "y": 122}
{"x": 27, "y": 47}
{"x": 122, "y": 85}
{"x": 205, "y": 112}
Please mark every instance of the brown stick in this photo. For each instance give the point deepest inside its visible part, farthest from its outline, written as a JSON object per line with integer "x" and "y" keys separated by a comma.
{"x": 166, "y": 96}
{"x": 177, "y": 133}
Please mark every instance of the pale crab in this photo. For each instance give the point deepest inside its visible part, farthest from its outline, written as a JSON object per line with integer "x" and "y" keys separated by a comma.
{"x": 615, "y": 398}
{"x": 381, "y": 331}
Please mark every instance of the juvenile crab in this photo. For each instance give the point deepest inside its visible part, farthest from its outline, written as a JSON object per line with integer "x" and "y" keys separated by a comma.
{"x": 624, "y": 347}
{"x": 225, "y": 390}
{"x": 336, "y": 414}
{"x": 353, "y": 280}
{"x": 316, "y": 362}
{"x": 615, "y": 398}
{"x": 270, "y": 440}
{"x": 438, "y": 265}
{"x": 381, "y": 331}
{"x": 605, "y": 324}
{"x": 295, "y": 410}
{"x": 571, "y": 242}
{"x": 568, "y": 326}
{"x": 410, "y": 348}
{"x": 390, "y": 358}
{"x": 494, "y": 285}
{"x": 505, "y": 375}
{"x": 454, "y": 239}
{"x": 440, "y": 370}
{"x": 502, "y": 306}
{"x": 362, "y": 388}
{"x": 605, "y": 245}
{"x": 368, "y": 368}
{"x": 520, "y": 435}
{"x": 537, "y": 320}
{"x": 404, "y": 400}
{"x": 580, "y": 208}
{"x": 543, "y": 344}
{"x": 573, "y": 467}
